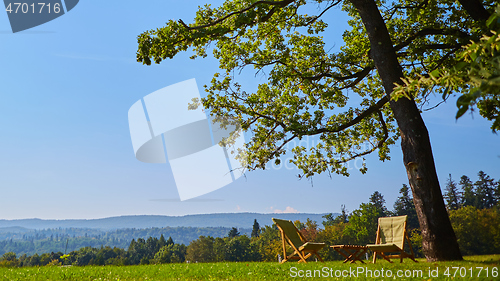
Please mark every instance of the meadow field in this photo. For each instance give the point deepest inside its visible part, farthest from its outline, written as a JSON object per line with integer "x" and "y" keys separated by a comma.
{"x": 472, "y": 268}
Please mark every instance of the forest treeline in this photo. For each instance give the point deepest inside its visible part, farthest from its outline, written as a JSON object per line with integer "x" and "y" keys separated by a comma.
{"x": 71, "y": 239}
{"x": 473, "y": 207}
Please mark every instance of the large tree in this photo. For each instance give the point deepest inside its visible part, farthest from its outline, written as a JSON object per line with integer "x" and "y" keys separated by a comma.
{"x": 378, "y": 201}
{"x": 404, "y": 206}
{"x": 468, "y": 195}
{"x": 308, "y": 86}
{"x": 255, "y": 229}
{"x": 451, "y": 195}
{"x": 485, "y": 191}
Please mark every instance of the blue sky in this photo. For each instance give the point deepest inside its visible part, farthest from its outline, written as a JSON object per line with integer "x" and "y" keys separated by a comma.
{"x": 66, "y": 152}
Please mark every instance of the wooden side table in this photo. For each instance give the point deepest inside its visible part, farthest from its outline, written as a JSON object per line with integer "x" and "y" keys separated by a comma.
{"x": 351, "y": 253}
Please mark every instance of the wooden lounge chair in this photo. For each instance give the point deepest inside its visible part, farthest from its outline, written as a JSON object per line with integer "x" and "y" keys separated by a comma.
{"x": 291, "y": 235}
{"x": 391, "y": 238}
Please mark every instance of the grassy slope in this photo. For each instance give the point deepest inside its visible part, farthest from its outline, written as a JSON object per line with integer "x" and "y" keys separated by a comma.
{"x": 250, "y": 271}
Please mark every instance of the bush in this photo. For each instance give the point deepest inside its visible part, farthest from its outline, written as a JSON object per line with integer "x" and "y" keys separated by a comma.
{"x": 9, "y": 259}
{"x": 477, "y": 230}
{"x": 173, "y": 253}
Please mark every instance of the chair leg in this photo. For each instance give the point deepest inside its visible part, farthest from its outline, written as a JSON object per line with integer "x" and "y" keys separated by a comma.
{"x": 306, "y": 256}
{"x": 302, "y": 257}
{"x": 381, "y": 254}
{"x": 319, "y": 257}
{"x": 386, "y": 258}
{"x": 285, "y": 257}
{"x": 357, "y": 256}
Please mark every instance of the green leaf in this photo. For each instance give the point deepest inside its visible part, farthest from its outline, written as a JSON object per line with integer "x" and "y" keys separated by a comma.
{"x": 461, "y": 65}
{"x": 463, "y": 100}
{"x": 461, "y": 111}
{"x": 473, "y": 56}
{"x": 435, "y": 73}
{"x": 445, "y": 93}
{"x": 492, "y": 19}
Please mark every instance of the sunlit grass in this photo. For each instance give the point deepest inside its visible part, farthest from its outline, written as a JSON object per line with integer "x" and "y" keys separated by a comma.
{"x": 266, "y": 271}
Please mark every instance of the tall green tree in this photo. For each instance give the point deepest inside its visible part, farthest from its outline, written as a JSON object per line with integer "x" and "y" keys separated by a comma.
{"x": 220, "y": 248}
{"x": 344, "y": 215}
{"x": 329, "y": 220}
{"x": 201, "y": 250}
{"x": 452, "y": 195}
{"x": 485, "y": 191}
{"x": 136, "y": 252}
{"x": 299, "y": 225}
{"x": 170, "y": 241}
{"x": 378, "y": 201}
{"x": 152, "y": 247}
{"x": 404, "y": 206}
{"x": 342, "y": 218}
{"x": 362, "y": 226}
{"x": 477, "y": 230}
{"x": 269, "y": 243}
{"x": 172, "y": 253}
{"x": 162, "y": 242}
{"x": 304, "y": 94}
{"x": 255, "y": 229}
{"x": 240, "y": 249}
{"x": 497, "y": 192}
{"x": 233, "y": 233}
{"x": 468, "y": 195}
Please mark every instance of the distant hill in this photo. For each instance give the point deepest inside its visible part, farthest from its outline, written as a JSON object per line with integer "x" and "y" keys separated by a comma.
{"x": 71, "y": 239}
{"x": 14, "y": 229}
{"x": 239, "y": 220}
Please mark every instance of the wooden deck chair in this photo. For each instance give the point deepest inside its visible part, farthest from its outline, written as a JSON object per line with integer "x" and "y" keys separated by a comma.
{"x": 391, "y": 238}
{"x": 291, "y": 235}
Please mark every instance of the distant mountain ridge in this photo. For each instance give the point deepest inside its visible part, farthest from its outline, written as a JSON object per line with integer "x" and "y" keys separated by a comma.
{"x": 14, "y": 229}
{"x": 239, "y": 220}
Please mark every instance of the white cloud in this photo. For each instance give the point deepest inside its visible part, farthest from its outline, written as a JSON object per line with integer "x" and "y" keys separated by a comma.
{"x": 288, "y": 210}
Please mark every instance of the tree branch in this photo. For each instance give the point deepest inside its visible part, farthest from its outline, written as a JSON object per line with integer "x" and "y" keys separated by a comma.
{"x": 440, "y": 47}
{"x": 369, "y": 111}
{"x": 276, "y": 151}
{"x": 324, "y": 11}
{"x": 475, "y": 9}
{"x": 397, "y": 7}
{"x": 361, "y": 74}
{"x": 379, "y": 144}
{"x": 430, "y": 31}
{"x": 274, "y": 3}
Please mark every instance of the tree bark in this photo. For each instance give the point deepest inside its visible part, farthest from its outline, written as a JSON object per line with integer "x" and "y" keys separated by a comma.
{"x": 438, "y": 238}
{"x": 475, "y": 9}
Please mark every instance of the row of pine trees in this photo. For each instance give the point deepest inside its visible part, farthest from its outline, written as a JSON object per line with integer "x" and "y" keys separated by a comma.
{"x": 474, "y": 210}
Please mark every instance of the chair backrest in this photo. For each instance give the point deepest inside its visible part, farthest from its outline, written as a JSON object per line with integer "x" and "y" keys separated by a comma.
{"x": 290, "y": 231}
{"x": 392, "y": 230}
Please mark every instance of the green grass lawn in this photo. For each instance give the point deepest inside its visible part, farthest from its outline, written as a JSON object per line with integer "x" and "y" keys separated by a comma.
{"x": 464, "y": 270}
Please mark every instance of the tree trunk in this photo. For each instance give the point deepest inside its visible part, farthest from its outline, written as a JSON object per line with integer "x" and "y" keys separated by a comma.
{"x": 438, "y": 238}
{"x": 475, "y": 9}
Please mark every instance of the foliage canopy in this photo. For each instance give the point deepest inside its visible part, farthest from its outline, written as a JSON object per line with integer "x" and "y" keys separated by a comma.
{"x": 308, "y": 86}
